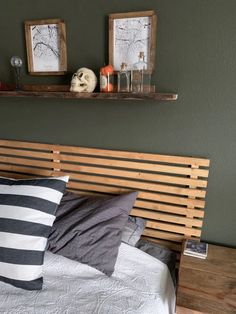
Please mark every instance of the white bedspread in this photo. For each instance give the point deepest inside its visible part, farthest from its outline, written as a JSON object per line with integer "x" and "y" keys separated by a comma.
{"x": 140, "y": 284}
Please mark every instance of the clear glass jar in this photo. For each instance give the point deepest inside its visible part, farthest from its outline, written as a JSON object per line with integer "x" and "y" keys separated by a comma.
{"x": 123, "y": 79}
{"x": 140, "y": 76}
{"x": 106, "y": 79}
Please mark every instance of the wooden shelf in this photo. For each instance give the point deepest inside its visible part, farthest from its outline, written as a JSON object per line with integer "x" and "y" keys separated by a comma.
{"x": 101, "y": 96}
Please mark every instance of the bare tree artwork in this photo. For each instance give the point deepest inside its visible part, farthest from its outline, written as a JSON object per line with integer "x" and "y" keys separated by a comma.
{"x": 131, "y": 36}
{"x": 45, "y": 47}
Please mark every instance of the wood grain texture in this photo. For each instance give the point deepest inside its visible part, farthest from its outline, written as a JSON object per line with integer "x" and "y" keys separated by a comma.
{"x": 101, "y": 96}
{"x": 172, "y": 189}
{"x": 182, "y": 310}
{"x": 217, "y": 256}
{"x": 209, "y": 285}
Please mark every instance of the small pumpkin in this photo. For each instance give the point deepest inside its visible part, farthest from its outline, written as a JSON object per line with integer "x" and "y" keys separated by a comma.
{"x": 108, "y": 69}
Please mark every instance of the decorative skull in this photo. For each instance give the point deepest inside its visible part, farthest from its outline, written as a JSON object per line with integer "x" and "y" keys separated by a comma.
{"x": 84, "y": 80}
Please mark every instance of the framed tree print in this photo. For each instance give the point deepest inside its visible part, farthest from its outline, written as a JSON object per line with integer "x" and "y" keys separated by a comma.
{"x": 46, "y": 47}
{"x": 130, "y": 34}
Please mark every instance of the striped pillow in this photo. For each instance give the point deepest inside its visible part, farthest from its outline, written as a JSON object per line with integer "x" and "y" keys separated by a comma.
{"x": 27, "y": 212}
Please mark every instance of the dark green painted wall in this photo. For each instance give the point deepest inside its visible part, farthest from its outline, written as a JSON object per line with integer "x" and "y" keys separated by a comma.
{"x": 196, "y": 57}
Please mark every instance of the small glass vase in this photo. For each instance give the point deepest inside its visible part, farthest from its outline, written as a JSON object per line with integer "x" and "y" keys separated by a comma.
{"x": 123, "y": 79}
{"x": 106, "y": 79}
{"x": 140, "y": 76}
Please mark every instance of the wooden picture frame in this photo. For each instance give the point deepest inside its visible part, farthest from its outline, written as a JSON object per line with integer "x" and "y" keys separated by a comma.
{"x": 129, "y": 34}
{"x": 46, "y": 47}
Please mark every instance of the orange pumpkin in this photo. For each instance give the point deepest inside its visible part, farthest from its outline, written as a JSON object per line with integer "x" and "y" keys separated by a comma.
{"x": 108, "y": 69}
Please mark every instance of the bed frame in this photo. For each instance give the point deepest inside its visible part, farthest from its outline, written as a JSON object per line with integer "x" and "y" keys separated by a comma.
{"x": 172, "y": 189}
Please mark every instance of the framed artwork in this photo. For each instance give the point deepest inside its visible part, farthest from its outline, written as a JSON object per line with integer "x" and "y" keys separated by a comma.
{"x": 46, "y": 47}
{"x": 132, "y": 33}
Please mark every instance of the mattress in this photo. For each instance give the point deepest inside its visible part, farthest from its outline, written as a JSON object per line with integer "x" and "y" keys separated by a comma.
{"x": 140, "y": 284}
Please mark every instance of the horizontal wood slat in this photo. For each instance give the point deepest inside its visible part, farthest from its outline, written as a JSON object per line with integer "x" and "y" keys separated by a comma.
{"x": 168, "y": 236}
{"x": 170, "y": 218}
{"x": 144, "y": 195}
{"x": 143, "y": 176}
{"x": 136, "y": 165}
{"x": 110, "y": 153}
{"x": 14, "y": 175}
{"x": 142, "y": 185}
{"x": 31, "y": 162}
{"x": 172, "y": 189}
{"x": 111, "y": 163}
{"x": 173, "y": 228}
{"x": 169, "y": 208}
{"x": 25, "y": 153}
{"x": 51, "y": 94}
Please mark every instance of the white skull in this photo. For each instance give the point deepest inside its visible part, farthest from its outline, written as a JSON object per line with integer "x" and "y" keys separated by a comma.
{"x": 84, "y": 80}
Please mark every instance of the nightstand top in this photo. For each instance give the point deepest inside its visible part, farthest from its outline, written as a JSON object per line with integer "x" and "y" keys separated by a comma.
{"x": 220, "y": 260}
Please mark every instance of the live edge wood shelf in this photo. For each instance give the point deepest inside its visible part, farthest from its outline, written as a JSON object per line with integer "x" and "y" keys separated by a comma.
{"x": 100, "y": 96}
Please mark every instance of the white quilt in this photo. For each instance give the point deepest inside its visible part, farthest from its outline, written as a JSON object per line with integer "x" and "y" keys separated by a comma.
{"x": 140, "y": 284}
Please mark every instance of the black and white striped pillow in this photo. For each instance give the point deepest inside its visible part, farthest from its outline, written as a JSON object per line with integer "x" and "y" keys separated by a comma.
{"x": 27, "y": 213}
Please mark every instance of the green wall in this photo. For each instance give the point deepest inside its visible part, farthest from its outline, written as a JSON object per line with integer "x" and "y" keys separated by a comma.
{"x": 196, "y": 46}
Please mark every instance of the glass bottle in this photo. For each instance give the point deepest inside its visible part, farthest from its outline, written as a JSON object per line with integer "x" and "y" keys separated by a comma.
{"x": 140, "y": 76}
{"x": 107, "y": 79}
{"x": 123, "y": 77}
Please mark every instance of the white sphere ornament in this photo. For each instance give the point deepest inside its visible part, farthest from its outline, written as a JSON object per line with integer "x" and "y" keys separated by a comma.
{"x": 83, "y": 81}
{"x": 16, "y": 62}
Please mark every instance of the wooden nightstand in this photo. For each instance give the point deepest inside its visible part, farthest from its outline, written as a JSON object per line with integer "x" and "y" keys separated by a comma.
{"x": 208, "y": 285}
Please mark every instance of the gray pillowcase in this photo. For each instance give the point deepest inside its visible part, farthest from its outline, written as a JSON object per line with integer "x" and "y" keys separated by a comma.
{"x": 133, "y": 230}
{"x": 160, "y": 252}
{"x": 89, "y": 228}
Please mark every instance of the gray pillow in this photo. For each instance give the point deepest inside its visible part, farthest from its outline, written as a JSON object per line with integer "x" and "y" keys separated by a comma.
{"x": 133, "y": 230}
{"x": 89, "y": 228}
{"x": 160, "y": 252}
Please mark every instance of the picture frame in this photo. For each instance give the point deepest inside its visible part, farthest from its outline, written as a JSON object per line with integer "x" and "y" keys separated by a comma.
{"x": 46, "y": 46}
{"x": 129, "y": 34}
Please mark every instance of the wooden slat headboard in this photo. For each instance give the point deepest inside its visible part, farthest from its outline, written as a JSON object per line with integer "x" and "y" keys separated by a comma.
{"x": 172, "y": 189}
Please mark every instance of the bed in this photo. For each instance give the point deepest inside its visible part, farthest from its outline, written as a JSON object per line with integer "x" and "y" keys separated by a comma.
{"x": 171, "y": 198}
{"x": 72, "y": 287}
